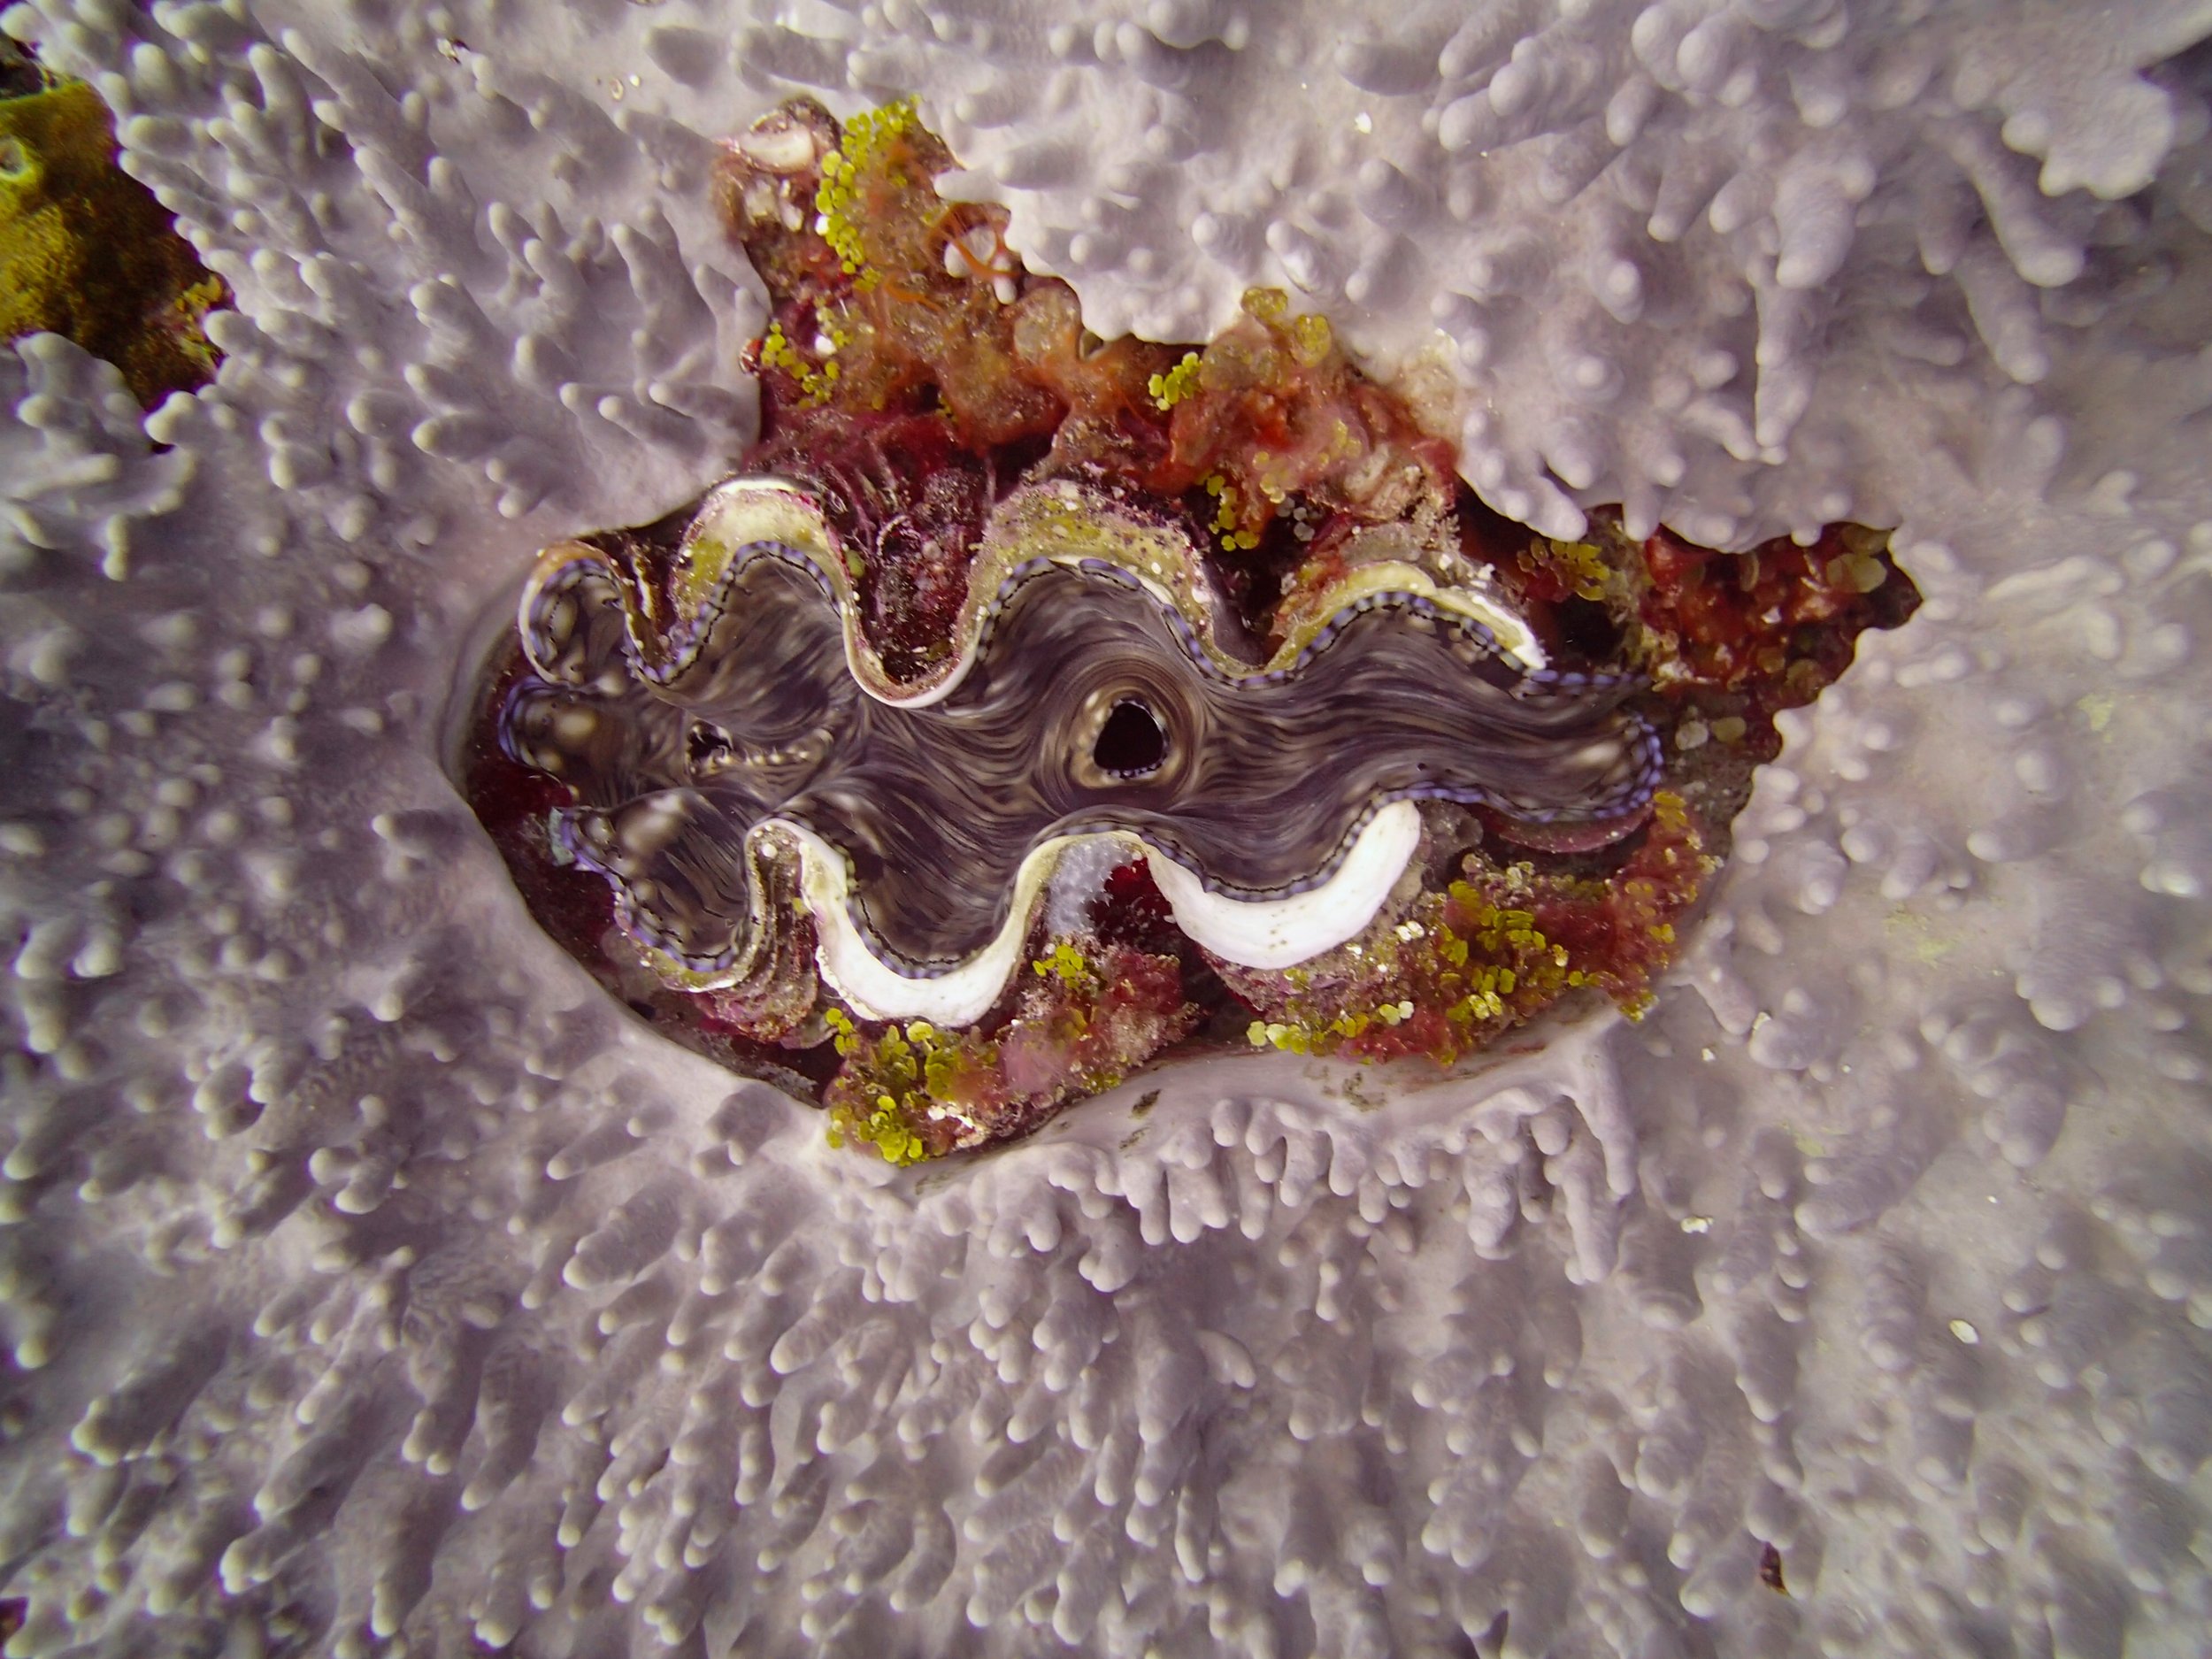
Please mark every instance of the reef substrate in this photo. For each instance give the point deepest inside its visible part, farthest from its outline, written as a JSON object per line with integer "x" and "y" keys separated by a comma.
{"x": 787, "y": 769}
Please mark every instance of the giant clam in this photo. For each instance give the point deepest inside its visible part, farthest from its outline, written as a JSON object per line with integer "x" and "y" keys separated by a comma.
{"x": 927, "y": 817}
{"x": 1040, "y": 703}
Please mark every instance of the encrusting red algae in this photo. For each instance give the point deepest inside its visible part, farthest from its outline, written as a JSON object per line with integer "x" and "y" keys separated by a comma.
{"x": 912, "y": 377}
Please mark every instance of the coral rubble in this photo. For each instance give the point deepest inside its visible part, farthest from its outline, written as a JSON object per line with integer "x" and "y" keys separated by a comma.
{"x": 371, "y": 1283}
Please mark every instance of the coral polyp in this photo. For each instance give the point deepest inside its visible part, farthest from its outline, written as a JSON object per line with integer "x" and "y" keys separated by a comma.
{"x": 1035, "y": 703}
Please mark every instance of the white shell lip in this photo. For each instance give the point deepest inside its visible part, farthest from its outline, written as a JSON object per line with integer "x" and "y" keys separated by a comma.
{"x": 1275, "y": 932}
{"x": 1282, "y": 933}
{"x": 872, "y": 986}
{"x": 793, "y": 148}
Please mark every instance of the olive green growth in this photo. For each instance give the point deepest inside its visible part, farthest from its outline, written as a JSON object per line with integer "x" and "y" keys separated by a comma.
{"x": 1067, "y": 966}
{"x": 85, "y": 251}
{"x": 896, "y": 1075}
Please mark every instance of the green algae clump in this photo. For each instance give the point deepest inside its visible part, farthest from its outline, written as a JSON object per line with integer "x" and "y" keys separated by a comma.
{"x": 1090, "y": 1013}
{"x": 88, "y": 252}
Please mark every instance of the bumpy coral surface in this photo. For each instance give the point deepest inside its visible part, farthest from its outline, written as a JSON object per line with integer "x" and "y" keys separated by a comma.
{"x": 374, "y": 1285}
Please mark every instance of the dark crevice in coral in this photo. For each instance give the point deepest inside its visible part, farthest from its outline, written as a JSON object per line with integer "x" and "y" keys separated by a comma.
{"x": 20, "y": 72}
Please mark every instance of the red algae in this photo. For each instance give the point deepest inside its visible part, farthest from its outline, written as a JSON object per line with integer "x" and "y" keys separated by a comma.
{"x": 912, "y": 373}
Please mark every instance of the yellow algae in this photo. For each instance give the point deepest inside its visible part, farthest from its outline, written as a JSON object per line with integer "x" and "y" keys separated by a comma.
{"x": 866, "y": 142}
{"x": 1171, "y": 387}
{"x": 87, "y": 252}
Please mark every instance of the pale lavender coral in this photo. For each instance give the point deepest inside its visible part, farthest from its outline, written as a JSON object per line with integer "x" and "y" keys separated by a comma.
{"x": 374, "y": 1285}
